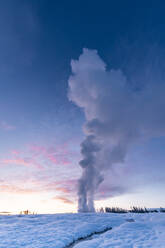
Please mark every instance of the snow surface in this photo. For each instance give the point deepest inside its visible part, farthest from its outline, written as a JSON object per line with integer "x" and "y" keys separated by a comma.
{"x": 59, "y": 230}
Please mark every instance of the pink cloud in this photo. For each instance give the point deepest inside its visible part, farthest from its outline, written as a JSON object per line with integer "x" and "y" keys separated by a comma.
{"x": 33, "y": 162}
{"x": 14, "y": 189}
{"x": 65, "y": 186}
{"x": 70, "y": 182}
{"x": 22, "y": 161}
{"x": 28, "y": 185}
{"x": 15, "y": 161}
{"x": 63, "y": 199}
{"x": 5, "y": 126}
{"x": 41, "y": 157}
{"x": 56, "y": 155}
{"x": 37, "y": 150}
{"x": 51, "y": 186}
{"x": 15, "y": 152}
{"x": 63, "y": 189}
{"x": 52, "y": 158}
{"x": 18, "y": 157}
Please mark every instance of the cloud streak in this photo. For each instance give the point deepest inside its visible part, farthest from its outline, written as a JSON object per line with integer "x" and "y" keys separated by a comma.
{"x": 8, "y": 188}
{"x": 63, "y": 199}
{"x": 5, "y": 126}
{"x": 56, "y": 155}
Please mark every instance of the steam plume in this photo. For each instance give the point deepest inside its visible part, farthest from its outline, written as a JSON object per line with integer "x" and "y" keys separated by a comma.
{"x": 117, "y": 116}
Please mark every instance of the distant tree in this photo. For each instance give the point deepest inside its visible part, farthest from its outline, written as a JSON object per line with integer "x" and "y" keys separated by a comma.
{"x": 26, "y": 212}
{"x": 138, "y": 210}
{"x": 101, "y": 210}
{"x": 153, "y": 211}
{"x": 162, "y": 210}
{"x": 115, "y": 210}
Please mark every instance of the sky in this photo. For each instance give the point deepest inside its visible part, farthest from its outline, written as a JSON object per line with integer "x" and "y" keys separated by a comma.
{"x": 41, "y": 129}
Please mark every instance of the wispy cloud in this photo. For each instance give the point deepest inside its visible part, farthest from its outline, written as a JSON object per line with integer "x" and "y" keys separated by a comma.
{"x": 65, "y": 186}
{"x": 5, "y": 126}
{"x": 17, "y": 190}
{"x": 63, "y": 199}
{"x": 15, "y": 152}
{"x": 58, "y": 155}
{"x": 63, "y": 189}
{"x": 38, "y": 168}
{"x": 18, "y": 161}
{"x": 28, "y": 162}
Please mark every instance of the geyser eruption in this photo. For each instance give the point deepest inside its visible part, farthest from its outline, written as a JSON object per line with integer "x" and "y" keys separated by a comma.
{"x": 117, "y": 116}
{"x": 90, "y": 177}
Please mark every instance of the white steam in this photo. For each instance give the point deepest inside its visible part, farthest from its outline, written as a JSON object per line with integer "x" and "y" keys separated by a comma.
{"x": 116, "y": 117}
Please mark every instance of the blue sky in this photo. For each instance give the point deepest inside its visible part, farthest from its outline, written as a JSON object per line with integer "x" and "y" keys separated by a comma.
{"x": 39, "y": 126}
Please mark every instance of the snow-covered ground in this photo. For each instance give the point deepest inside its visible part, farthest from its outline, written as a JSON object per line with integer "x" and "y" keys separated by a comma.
{"x": 60, "y": 230}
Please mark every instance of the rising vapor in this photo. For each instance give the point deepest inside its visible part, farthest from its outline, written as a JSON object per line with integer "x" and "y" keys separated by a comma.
{"x": 117, "y": 116}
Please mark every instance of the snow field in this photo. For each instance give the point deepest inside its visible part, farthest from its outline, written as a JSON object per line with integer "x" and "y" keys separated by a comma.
{"x": 60, "y": 230}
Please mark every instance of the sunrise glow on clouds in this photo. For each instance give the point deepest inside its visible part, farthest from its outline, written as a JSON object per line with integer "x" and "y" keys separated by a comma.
{"x": 43, "y": 171}
{"x": 45, "y": 177}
